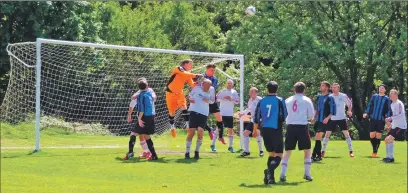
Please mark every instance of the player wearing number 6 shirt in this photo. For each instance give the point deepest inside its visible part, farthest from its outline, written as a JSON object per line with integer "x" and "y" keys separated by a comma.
{"x": 272, "y": 111}
{"x": 340, "y": 119}
{"x": 398, "y": 126}
{"x": 300, "y": 110}
{"x": 199, "y": 109}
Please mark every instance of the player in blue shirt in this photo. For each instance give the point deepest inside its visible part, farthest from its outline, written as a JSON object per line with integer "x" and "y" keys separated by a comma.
{"x": 325, "y": 109}
{"x": 378, "y": 109}
{"x": 214, "y": 108}
{"x": 270, "y": 113}
{"x": 146, "y": 115}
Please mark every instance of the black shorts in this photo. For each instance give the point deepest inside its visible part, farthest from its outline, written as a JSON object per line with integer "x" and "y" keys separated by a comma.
{"x": 214, "y": 108}
{"x": 249, "y": 127}
{"x": 377, "y": 126}
{"x": 228, "y": 122}
{"x": 273, "y": 139}
{"x": 398, "y": 134}
{"x": 197, "y": 120}
{"x": 320, "y": 127}
{"x": 297, "y": 134}
{"x": 343, "y": 125}
{"x": 148, "y": 128}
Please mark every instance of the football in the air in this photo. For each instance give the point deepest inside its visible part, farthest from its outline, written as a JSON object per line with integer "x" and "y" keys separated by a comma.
{"x": 250, "y": 10}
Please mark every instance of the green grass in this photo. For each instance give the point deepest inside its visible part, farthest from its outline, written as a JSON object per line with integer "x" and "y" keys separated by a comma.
{"x": 102, "y": 170}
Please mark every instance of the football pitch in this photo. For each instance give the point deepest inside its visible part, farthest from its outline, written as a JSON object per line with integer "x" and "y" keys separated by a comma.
{"x": 81, "y": 163}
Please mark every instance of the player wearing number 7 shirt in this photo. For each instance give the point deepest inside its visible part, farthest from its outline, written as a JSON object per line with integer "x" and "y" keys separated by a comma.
{"x": 300, "y": 110}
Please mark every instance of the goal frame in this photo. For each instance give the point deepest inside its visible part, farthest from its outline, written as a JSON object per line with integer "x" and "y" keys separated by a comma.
{"x": 40, "y": 41}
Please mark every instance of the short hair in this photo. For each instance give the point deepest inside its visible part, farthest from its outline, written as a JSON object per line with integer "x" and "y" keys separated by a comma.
{"x": 383, "y": 85}
{"x": 142, "y": 85}
{"x": 186, "y": 61}
{"x": 395, "y": 91}
{"x": 336, "y": 84}
{"x": 299, "y": 87}
{"x": 326, "y": 83}
{"x": 210, "y": 66}
{"x": 272, "y": 87}
{"x": 254, "y": 89}
{"x": 230, "y": 80}
{"x": 208, "y": 81}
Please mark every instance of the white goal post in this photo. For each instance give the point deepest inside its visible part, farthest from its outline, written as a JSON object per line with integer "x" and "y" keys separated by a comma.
{"x": 83, "y": 82}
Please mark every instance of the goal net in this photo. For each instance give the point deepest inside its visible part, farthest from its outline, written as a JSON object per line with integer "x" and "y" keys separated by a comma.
{"x": 87, "y": 87}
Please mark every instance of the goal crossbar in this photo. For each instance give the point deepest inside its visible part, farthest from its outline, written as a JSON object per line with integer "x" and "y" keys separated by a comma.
{"x": 218, "y": 57}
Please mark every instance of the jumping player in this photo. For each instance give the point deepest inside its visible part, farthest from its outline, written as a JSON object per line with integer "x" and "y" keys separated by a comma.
{"x": 199, "y": 98}
{"x": 272, "y": 110}
{"x": 398, "y": 124}
{"x": 340, "y": 118}
{"x": 248, "y": 131}
{"x": 300, "y": 110}
{"x": 326, "y": 108}
{"x": 228, "y": 98}
{"x": 214, "y": 108}
{"x": 378, "y": 109}
{"x": 175, "y": 98}
{"x": 145, "y": 126}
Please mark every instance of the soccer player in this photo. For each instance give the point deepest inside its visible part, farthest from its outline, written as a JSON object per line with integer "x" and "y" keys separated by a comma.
{"x": 398, "y": 125}
{"x": 340, "y": 118}
{"x": 326, "y": 108}
{"x": 199, "y": 98}
{"x": 175, "y": 98}
{"x": 378, "y": 109}
{"x": 228, "y": 98}
{"x": 146, "y": 114}
{"x": 248, "y": 131}
{"x": 300, "y": 109}
{"x": 214, "y": 108}
{"x": 143, "y": 144}
{"x": 272, "y": 110}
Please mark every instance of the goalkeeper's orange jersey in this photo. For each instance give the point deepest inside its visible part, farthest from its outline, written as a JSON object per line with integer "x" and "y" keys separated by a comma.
{"x": 179, "y": 76}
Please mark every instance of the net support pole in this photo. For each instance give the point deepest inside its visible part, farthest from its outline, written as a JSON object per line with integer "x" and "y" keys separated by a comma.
{"x": 241, "y": 101}
{"x": 37, "y": 94}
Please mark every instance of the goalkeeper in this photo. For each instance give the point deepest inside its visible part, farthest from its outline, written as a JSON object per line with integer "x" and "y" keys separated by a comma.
{"x": 175, "y": 98}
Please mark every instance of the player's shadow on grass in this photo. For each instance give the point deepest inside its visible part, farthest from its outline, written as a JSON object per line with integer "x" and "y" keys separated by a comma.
{"x": 332, "y": 157}
{"x": 371, "y": 157}
{"x": 136, "y": 160}
{"x": 186, "y": 161}
{"x": 240, "y": 157}
{"x": 271, "y": 185}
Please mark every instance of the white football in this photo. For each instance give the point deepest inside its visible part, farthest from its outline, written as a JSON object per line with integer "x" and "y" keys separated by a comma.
{"x": 250, "y": 10}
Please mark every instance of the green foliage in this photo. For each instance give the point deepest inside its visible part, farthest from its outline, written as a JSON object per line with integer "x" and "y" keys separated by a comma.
{"x": 358, "y": 44}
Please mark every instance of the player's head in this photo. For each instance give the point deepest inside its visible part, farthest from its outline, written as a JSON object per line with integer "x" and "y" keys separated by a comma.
{"x": 253, "y": 92}
{"x": 187, "y": 64}
{"x": 206, "y": 84}
{"x": 324, "y": 87}
{"x": 299, "y": 87}
{"x": 336, "y": 88}
{"x": 382, "y": 88}
{"x": 230, "y": 84}
{"x": 394, "y": 94}
{"x": 142, "y": 83}
{"x": 272, "y": 87}
{"x": 210, "y": 69}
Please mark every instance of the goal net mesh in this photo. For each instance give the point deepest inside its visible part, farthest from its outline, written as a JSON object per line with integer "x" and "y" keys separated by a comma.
{"x": 88, "y": 89}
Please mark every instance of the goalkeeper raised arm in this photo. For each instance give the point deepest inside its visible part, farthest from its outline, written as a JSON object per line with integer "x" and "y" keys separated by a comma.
{"x": 175, "y": 98}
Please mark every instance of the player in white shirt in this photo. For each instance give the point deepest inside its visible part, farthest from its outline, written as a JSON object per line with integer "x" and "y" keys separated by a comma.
{"x": 132, "y": 105}
{"x": 199, "y": 109}
{"x": 339, "y": 119}
{"x": 300, "y": 110}
{"x": 228, "y": 98}
{"x": 398, "y": 124}
{"x": 252, "y": 103}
